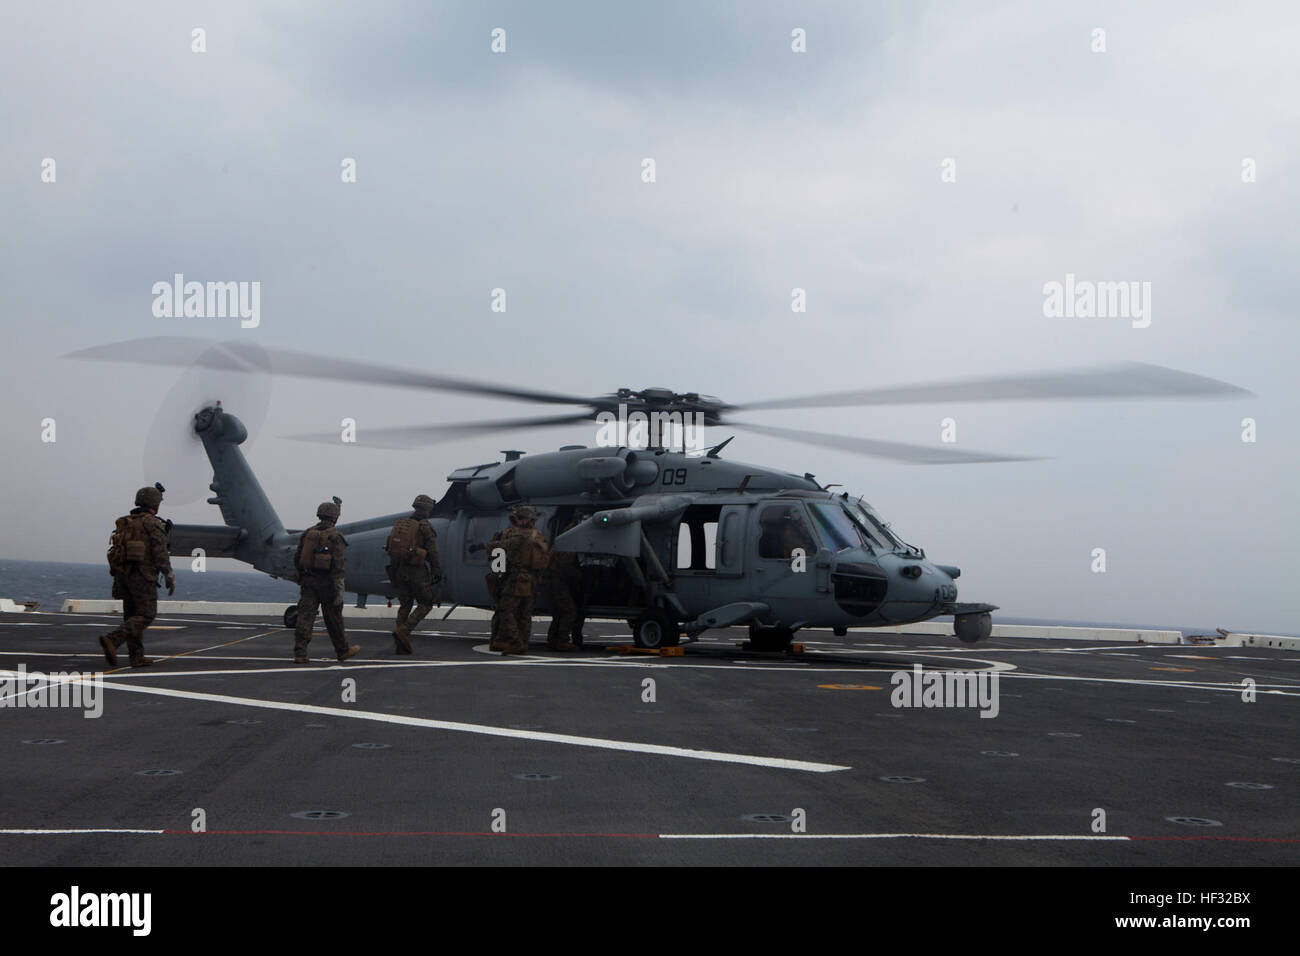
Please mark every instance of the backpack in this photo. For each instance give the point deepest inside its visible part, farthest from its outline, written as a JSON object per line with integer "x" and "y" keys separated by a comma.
{"x": 403, "y": 545}
{"x": 316, "y": 553}
{"x": 129, "y": 545}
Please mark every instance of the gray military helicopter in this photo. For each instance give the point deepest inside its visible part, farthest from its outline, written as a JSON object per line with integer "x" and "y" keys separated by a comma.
{"x": 678, "y": 543}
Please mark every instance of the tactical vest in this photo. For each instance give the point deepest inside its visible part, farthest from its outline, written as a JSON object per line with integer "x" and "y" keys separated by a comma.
{"x": 128, "y": 548}
{"x": 317, "y": 556}
{"x": 525, "y": 558}
{"x": 404, "y": 540}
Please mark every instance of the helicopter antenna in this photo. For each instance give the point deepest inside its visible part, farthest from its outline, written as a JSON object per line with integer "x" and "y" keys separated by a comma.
{"x": 716, "y": 449}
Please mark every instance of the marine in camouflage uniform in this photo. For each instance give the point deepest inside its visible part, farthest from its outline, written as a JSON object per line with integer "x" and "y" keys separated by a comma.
{"x": 136, "y": 582}
{"x": 322, "y": 588}
{"x": 526, "y": 558}
{"x": 564, "y": 585}
{"x": 415, "y": 582}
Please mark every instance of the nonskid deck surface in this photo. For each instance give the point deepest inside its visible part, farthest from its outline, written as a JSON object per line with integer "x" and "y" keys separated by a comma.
{"x": 456, "y": 755}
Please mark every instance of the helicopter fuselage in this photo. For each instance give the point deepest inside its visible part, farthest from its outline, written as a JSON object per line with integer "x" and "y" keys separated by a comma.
{"x": 695, "y": 541}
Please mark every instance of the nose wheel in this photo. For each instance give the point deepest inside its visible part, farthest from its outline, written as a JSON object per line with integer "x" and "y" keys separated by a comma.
{"x": 291, "y": 616}
{"x": 970, "y": 628}
{"x": 655, "y": 629}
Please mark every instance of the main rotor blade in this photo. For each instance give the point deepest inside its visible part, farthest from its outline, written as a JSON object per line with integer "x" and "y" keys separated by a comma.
{"x": 176, "y": 350}
{"x": 416, "y": 436}
{"x": 1123, "y": 380}
{"x": 897, "y": 451}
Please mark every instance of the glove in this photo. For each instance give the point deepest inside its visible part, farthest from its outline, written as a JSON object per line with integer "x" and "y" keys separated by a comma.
{"x": 171, "y": 584}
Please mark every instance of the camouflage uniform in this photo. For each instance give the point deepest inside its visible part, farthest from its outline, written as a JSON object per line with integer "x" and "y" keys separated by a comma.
{"x": 526, "y": 558}
{"x": 322, "y": 589}
{"x": 415, "y": 582}
{"x": 136, "y": 582}
{"x": 564, "y": 584}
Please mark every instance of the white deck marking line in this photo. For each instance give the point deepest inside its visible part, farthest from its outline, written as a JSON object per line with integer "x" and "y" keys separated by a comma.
{"x": 889, "y": 836}
{"x": 358, "y": 663}
{"x": 1231, "y": 687}
{"x": 84, "y": 653}
{"x": 17, "y": 832}
{"x": 572, "y": 740}
{"x": 1007, "y": 670}
{"x": 299, "y": 669}
{"x": 689, "y": 836}
{"x": 1263, "y": 684}
{"x": 895, "y": 649}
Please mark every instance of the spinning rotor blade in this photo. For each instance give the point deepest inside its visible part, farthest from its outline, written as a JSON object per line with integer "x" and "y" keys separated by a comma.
{"x": 1124, "y": 380}
{"x": 173, "y": 454}
{"x": 897, "y": 451}
{"x": 415, "y": 436}
{"x": 174, "y": 350}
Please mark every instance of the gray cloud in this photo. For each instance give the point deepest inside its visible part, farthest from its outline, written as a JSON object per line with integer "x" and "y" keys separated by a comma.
{"x": 775, "y": 170}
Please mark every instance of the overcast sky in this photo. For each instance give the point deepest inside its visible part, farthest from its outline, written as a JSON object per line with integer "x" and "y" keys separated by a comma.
{"x": 775, "y": 170}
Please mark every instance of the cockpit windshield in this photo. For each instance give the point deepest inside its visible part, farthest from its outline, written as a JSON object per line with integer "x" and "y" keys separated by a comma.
{"x": 874, "y": 526}
{"x": 835, "y": 527}
{"x": 873, "y": 533}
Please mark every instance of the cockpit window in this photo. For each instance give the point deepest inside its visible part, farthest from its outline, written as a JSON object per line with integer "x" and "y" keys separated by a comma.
{"x": 875, "y": 522}
{"x": 873, "y": 530}
{"x": 835, "y": 527}
{"x": 782, "y": 528}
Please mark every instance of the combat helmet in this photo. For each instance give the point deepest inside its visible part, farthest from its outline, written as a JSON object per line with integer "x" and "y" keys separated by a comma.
{"x": 149, "y": 497}
{"x": 423, "y": 503}
{"x": 329, "y": 509}
{"x": 523, "y": 513}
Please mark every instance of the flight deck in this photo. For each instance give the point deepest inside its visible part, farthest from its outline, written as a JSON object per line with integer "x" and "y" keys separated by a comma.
{"x": 224, "y": 752}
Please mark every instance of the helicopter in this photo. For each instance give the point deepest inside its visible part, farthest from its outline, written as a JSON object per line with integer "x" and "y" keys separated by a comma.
{"x": 681, "y": 542}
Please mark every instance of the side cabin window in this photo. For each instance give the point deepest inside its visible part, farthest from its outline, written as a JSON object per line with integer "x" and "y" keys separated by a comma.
{"x": 697, "y": 538}
{"x": 782, "y": 528}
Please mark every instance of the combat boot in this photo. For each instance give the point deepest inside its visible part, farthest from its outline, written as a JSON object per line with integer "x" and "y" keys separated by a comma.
{"x": 141, "y": 661}
{"x": 402, "y": 640}
{"x": 301, "y": 659}
{"x": 110, "y": 649}
{"x": 352, "y": 651}
{"x": 566, "y": 646}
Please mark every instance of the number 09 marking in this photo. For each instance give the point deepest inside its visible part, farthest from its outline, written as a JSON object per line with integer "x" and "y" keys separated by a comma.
{"x": 674, "y": 476}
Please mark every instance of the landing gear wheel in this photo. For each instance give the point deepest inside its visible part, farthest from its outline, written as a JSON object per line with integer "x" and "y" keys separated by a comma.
{"x": 972, "y": 627}
{"x": 770, "y": 638}
{"x": 291, "y": 616}
{"x": 655, "y": 629}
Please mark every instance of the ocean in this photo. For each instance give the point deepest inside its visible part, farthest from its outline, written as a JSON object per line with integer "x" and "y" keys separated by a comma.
{"x": 53, "y": 582}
